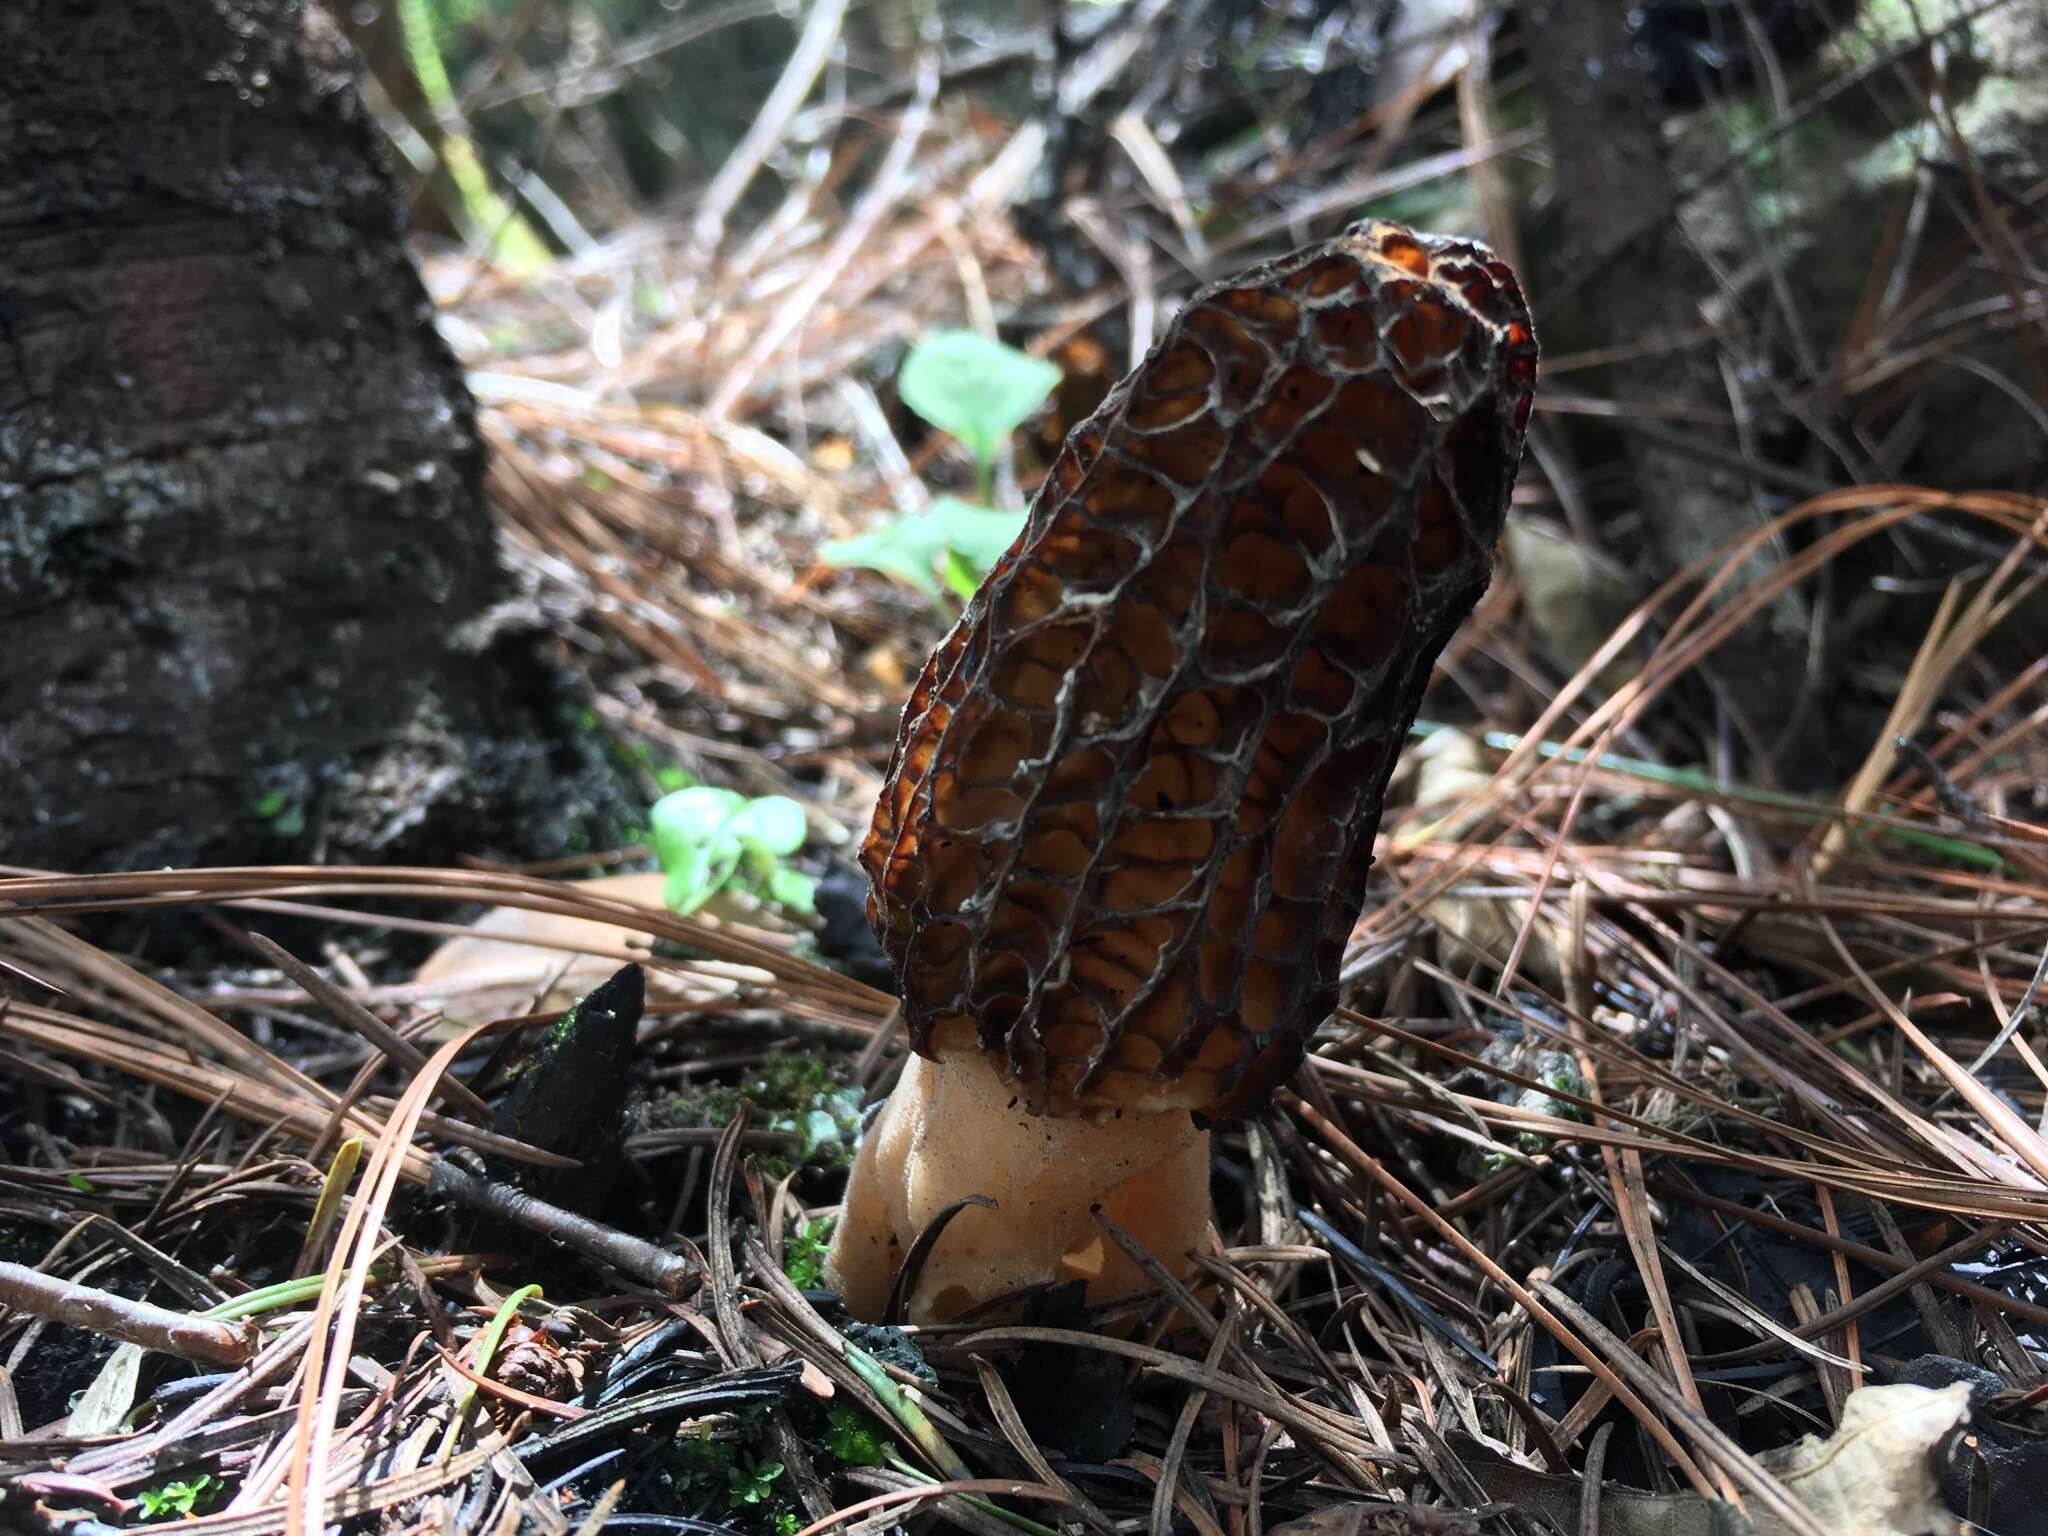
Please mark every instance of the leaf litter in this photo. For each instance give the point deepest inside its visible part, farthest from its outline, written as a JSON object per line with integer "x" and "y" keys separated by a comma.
{"x": 1676, "y": 1162}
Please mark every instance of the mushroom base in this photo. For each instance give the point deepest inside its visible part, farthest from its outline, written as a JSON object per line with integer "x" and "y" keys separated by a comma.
{"x": 952, "y": 1129}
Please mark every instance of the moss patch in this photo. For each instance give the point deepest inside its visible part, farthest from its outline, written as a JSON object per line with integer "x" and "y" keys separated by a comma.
{"x": 799, "y": 1096}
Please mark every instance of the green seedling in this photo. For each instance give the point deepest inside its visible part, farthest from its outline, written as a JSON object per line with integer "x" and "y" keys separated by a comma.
{"x": 179, "y": 1498}
{"x": 750, "y": 1481}
{"x": 286, "y": 816}
{"x": 708, "y": 839}
{"x": 949, "y": 546}
{"x": 803, "y": 1255}
{"x": 979, "y": 391}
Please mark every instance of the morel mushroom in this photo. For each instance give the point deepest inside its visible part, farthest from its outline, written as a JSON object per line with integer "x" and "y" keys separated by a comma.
{"x": 1126, "y": 827}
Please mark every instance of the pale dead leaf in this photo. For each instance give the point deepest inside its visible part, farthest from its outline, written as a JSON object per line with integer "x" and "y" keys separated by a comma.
{"x": 1879, "y": 1474}
{"x": 512, "y": 956}
{"x": 103, "y": 1405}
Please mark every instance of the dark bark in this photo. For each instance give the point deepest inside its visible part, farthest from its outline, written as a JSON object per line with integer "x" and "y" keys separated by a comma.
{"x": 246, "y": 574}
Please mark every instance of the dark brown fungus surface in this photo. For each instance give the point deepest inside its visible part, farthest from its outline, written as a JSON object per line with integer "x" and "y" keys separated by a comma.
{"x": 1194, "y": 673}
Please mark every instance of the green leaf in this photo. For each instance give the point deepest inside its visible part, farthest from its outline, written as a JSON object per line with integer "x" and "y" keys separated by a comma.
{"x": 959, "y": 576}
{"x": 694, "y": 844}
{"x": 752, "y": 1484}
{"x": 912, "y": 545}
{"x": 979, "y": 535}
{"x": 771, "y": 824}
{"x": 688, "y": 885}
{"x": 979, "y": 390}
{"x": 899, "y": 548}
{"x": 180, "y": 1498}
{"x": 792, "y": 889}
{"x": 699, "y": 813}
{"x": 703, "y": 834}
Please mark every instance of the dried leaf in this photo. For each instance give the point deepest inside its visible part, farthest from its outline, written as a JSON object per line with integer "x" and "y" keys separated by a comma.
{"x": 1879, "y": 1474}
{"x": 104, "y": 1404}
{"x": 512, "y": 956}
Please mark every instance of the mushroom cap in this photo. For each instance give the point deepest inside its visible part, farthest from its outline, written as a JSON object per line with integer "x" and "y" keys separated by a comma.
{"x": 1127, "y": 824}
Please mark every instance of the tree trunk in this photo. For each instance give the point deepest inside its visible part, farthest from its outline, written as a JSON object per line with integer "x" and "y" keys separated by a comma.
{"x": 1602, "y": 119}
{"x": 246, "y": 573}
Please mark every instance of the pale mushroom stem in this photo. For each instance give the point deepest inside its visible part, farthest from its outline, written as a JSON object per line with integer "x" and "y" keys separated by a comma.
{"x": 953, "y": 1128}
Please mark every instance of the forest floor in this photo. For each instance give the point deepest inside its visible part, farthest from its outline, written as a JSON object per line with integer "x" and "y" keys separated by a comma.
{"x": 1676, "y": 1097}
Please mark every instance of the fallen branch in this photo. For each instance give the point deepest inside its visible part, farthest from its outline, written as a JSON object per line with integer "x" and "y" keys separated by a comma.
{"x": 132, "y": 1322}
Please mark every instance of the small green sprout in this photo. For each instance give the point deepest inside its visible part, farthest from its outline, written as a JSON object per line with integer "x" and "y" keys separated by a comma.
{"x": 179, "y": 1498}
{"x": 752, "y": 1482}
{"x": 979, "y": 391}
{"x": 953, "y": 542}
{"x": 708, "y": 839}
{"x": 286, "y": 816}
{"x": 803, "y": 1256}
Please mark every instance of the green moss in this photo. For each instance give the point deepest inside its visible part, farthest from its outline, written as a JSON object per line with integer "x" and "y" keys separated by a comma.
{"x": 854, "y": 1437}
{"x": 803, "y": 1254}
{"x": 797, "y": 1095}
{"x": 562, "y": 1029}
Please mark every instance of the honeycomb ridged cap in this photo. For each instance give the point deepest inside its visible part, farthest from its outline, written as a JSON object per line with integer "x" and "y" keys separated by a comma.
{"x": 1126, "y": 827}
